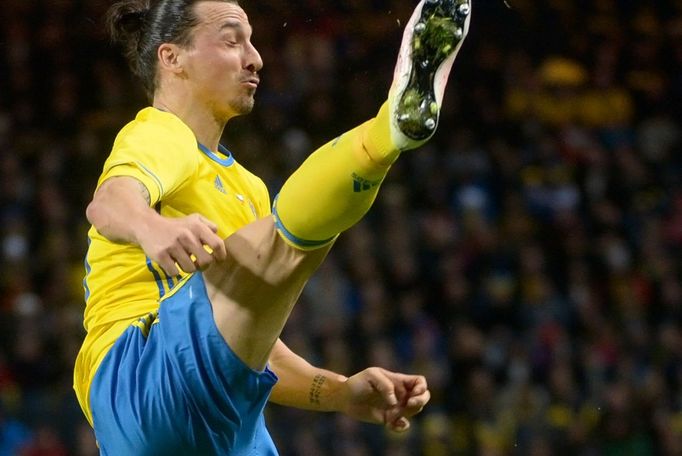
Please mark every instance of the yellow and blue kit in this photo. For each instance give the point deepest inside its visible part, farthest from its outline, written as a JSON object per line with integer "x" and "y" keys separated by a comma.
{"x": 154, "y": 375}
{"x": 159, "y": 378}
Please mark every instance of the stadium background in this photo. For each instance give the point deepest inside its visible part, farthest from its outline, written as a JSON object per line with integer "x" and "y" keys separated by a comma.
{"x": 527, "y": 260}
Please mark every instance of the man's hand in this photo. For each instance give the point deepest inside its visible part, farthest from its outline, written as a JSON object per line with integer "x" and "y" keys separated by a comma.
{"x": 181, "y": 240}
{"x": 378, "y": 396}
{"x": 121, "y": 212}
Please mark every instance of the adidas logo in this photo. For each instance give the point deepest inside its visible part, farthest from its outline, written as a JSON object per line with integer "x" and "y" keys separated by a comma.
{"x": 360, "y": 184}
{"x": 219, "y": 185}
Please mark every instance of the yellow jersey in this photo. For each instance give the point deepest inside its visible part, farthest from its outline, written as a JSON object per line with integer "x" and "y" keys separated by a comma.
{"x": 183, "y": 177}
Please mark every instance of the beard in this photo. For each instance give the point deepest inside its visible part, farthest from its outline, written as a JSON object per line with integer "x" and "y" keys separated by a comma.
{"x": 242, "y": 105}
{"x": 236, "y": 106}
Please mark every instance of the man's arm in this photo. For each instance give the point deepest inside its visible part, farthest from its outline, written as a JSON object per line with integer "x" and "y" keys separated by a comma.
{"x": 302, "y": 385}
{"x": 121, "y": 212}
{"x": 374, "y": 395}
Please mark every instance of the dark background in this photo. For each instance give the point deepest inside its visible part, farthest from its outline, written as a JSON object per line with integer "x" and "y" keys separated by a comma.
{"x": 527, "y": 260}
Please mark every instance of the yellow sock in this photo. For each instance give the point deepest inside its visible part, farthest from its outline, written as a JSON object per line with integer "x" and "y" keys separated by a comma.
{"x": 336, "y": 185}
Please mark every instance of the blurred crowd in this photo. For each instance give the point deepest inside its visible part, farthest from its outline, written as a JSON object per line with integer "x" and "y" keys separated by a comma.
{"x": 527, "y": 260}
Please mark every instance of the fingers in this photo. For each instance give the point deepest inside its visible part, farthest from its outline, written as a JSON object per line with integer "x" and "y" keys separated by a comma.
{"x": 167, "y": 263}
{"x": 413, "y": 394}
{"x": 182, "y": 257}
{"x": 189, "y": 243}
{"x": 402, "y": 424}
{"x": 408, "y": 391}
{"x": 417, "y": 393}
{"x": 407, "y": 386}
{"x": 216, "y": 246}
{"x": 191, "y": 254}
{"x": 386, "y": 387}
{"x": 213, "y": 227}
{"x": 198, "y": 255}
{"x": 210, "y": 239}
{"x": 199, "y": 245}
{"x": 383, "y": 397}
{"x": 415, "y": 404}
{"x": 383, "y": 385}
{"x": 419, "y": 385}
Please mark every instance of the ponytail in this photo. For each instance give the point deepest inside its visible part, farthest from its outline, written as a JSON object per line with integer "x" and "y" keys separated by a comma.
{"x": 126, "y": 21}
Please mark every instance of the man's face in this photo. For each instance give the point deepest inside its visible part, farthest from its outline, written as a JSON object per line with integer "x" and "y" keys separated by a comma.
{"x": 221, "y": 64}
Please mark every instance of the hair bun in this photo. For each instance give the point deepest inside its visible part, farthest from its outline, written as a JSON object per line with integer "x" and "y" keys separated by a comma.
{"x": 126, "y": 20}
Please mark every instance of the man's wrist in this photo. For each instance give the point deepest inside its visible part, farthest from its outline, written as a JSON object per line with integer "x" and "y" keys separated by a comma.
{"x": 143, "y": 225}
{"x": 327, "y": 392}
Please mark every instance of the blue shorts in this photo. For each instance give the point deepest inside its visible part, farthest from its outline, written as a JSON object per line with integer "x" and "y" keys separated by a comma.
{"x": 170, "y": 385}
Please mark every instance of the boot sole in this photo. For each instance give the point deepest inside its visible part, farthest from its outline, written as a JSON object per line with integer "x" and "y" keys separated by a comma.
{"x": 435, "y": 37}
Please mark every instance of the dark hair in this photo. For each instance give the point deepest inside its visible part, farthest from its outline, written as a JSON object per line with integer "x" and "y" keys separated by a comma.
{"x": 141, "y": 26}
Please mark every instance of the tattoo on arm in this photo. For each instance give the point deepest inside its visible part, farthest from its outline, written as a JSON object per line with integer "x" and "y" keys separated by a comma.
{"x": 145, "y": 193}
{"x": 316, "y": 388}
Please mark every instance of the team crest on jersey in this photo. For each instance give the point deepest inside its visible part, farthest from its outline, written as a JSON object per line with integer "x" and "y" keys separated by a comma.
{"x": 243, "y": 200}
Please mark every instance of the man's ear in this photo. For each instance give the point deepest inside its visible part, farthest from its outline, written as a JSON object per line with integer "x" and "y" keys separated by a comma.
{"x": 170, "y": 57}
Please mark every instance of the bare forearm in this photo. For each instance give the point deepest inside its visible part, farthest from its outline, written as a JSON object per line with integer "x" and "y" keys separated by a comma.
{"x": 120, "y": 209}
{"x": 302, "y": 385}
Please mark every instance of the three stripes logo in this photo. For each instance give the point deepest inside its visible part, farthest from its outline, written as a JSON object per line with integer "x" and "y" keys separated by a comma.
{"x": 219, "y": 185}
{"x": 360, "y": 184}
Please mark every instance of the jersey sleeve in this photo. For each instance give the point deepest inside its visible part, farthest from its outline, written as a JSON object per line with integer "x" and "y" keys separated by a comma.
{"x": 160, "y": 157}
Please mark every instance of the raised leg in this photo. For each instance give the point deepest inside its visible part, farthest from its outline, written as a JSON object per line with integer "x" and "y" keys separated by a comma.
{"x": 270, "y": 260}
{"x": 253, "y": 292}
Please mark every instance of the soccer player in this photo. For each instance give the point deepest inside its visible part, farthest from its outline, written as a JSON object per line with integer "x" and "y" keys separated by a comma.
{"x": 190, "y": 277}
